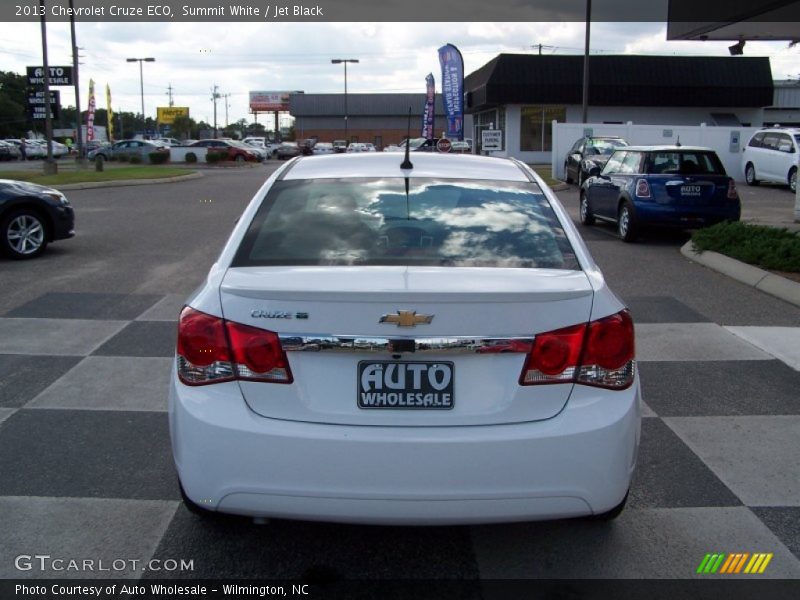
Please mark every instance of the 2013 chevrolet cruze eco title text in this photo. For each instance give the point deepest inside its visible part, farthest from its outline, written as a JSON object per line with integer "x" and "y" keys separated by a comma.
{"x": 430, "y": 344}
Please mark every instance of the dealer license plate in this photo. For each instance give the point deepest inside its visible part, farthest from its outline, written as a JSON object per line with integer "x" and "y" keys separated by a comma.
{"x": 406, "y": 385}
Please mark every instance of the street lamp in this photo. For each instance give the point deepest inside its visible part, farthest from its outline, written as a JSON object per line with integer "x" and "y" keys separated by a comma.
{"x": 141, "y": 82}
{"x": 344, "y": 61}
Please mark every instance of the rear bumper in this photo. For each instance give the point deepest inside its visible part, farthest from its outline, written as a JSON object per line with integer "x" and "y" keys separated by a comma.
{"x": 686, "y": 217}
{"x": 232, "y": 460}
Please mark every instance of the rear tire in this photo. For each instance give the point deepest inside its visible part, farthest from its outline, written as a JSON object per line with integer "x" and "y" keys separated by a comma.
{"x": 627, "y": 227}
{"x": 793, "y": 180}
{"x": 587, "y": 218}
{"x": 750, "y": 175}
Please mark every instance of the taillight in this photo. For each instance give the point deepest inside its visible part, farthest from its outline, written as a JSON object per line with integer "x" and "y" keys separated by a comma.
{"x": 732, "y": 195}
{"x": 212, "y": 350}
{"x": 257, "y": 354}
{"x": 599, "y": 353}
{"x": 642, "y": 188}
{"x": 554, "y": 356}
{"x": 608, "y": 353}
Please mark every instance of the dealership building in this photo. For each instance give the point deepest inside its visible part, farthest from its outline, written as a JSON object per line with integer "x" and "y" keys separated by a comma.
{"x": 381, "y": 119}
{"x": 522, "y": 94}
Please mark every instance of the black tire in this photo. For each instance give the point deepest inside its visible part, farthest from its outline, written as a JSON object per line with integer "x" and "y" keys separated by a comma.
{"x": 627, "y": 227}
{"x": 613, "y": 513}
{"x": 750, "y": 175}
{"x": 793, "y": 180}
{"x": 567, "y": 178}
{"x": 587, "y": 218}
{"x": 581, "y": 178}
{"x": 23, "y": 234}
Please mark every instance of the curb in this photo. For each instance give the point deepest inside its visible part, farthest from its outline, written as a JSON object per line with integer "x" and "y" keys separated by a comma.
{"x": 762, "y": 280}
{"x": 560, "y": 187}
{"x": 125, "y": 182}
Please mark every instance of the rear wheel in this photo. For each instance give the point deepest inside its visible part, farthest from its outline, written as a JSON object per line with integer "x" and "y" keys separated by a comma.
{"x": 626, "y": 223}
{"x": 750, "y": 174}
{"x": 24, "y": 234}
{"x": 587, "y": 218}
{"x": 793, "y": 179}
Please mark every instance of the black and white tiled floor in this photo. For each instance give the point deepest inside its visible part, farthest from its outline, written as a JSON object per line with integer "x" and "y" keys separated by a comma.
{"x": 86, "y": 469}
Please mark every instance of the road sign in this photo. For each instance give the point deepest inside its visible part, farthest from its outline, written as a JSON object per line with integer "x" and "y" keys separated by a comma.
{"x": 167, "y": 114}
{"x": 491, "y": 140}
{"x": 58, "y": 76}
{"x": 444, "y": 145}
{"x": 36, "y": 105}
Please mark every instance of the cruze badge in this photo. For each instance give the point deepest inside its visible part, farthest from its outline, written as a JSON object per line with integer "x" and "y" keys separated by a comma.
{"x": 277, "y": 314}
{"x": 407, "y": 318}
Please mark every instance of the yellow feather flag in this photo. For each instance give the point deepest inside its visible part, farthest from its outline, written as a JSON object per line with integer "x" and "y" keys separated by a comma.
{"x": 110, "y": 114}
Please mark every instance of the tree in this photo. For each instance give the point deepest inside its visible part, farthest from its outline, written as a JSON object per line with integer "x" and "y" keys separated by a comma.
{"x": 183, "y": 127}
{"x": 13, "y": 101}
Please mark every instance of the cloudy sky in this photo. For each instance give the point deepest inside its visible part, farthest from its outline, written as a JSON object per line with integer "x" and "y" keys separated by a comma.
{"x": 239, "y": 57}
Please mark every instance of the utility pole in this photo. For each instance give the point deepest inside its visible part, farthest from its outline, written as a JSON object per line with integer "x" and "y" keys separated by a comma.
{"x": 169, "y": 92}
{"x": 214, "y": 96}
{"x": 227, "y": 104}
{"x": 50, "y": 166}
{"x": 81, "y": 158}
{"x": 586, "y": 62}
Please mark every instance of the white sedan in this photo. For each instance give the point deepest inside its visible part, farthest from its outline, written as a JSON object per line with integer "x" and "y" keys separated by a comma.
{"x": 432, "y": 345}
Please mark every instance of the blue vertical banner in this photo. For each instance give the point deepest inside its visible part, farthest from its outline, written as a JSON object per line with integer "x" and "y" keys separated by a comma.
{"x": 430, "y": 107}
{"x": 453, "y": 90}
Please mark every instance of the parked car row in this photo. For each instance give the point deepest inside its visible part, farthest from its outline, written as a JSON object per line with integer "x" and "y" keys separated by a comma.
{"x": 14, "y": 149}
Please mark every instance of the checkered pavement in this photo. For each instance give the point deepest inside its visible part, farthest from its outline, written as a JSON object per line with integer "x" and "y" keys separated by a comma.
{"x": 86, "y": 469}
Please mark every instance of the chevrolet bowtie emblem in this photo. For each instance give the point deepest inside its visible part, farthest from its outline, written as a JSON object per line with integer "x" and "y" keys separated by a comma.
{"x": 406, "y": 318}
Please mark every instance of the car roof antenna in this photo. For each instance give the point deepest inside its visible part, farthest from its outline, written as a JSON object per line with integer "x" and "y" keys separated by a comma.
{"x": 678, "y": 143}
{"x": 406, "y": 165}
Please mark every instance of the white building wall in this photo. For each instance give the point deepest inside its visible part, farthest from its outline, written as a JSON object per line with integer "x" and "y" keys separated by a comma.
{"x": 655, "y": 115}
{"x": 663, "y": 117}
{"x": 718, "y": 138}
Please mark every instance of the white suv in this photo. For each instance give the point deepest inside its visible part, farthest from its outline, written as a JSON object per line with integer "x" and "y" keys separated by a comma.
{"x": 772, "y": 155}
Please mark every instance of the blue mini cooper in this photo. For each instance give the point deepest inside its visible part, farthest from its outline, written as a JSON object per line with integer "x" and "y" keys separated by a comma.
{"x": 668, "y": 186}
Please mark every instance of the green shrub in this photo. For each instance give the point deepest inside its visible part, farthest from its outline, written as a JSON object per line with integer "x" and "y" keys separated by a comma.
{"x": 767, "y": 247}
{"x": 136, "y": 159}
{"x": 191, "y": 157}
{"x": 158, "y": 158}
{"x": 214, "y": 156}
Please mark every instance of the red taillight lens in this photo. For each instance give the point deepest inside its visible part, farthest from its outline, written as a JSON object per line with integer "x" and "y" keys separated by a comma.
{"x": 642, "y": 188}
{"x": 203, "y": 355}
{"x": 599, "y": 353}
{"x": 212, "y": 350}
{"x": 732, "y": 195}
{"x": 258, "y": 355}
{"x": 554, "y": 356}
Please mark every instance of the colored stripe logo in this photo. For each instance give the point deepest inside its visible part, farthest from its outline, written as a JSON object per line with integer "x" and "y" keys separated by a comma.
{"x": 735, "y": 563}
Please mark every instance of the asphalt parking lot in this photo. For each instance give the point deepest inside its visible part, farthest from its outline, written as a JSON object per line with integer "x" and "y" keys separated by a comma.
{"x": 86, "y": 336}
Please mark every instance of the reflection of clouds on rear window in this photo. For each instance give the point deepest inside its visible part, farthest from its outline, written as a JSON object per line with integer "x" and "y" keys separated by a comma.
{"x": 373, "y": 222}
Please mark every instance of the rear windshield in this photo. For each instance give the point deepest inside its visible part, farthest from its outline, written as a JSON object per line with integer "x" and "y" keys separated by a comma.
{"x": 601, "y": 147}
{"x": 374, "y": 222}
{"x": 685, "y": 163}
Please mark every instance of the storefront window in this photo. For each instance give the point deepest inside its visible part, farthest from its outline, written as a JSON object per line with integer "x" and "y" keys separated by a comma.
{"x": 536, "y": 131}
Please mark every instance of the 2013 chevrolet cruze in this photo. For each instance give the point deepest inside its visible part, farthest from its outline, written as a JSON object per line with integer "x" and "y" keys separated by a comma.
{"x": 424, "y": 343}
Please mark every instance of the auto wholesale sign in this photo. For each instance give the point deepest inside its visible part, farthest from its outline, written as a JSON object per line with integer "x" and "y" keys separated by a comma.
{"x": 166, "y": 115}
{"x": 58, "y": 76}
{"x": 37, "y": 107}
{"x": 269, "y": 101}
